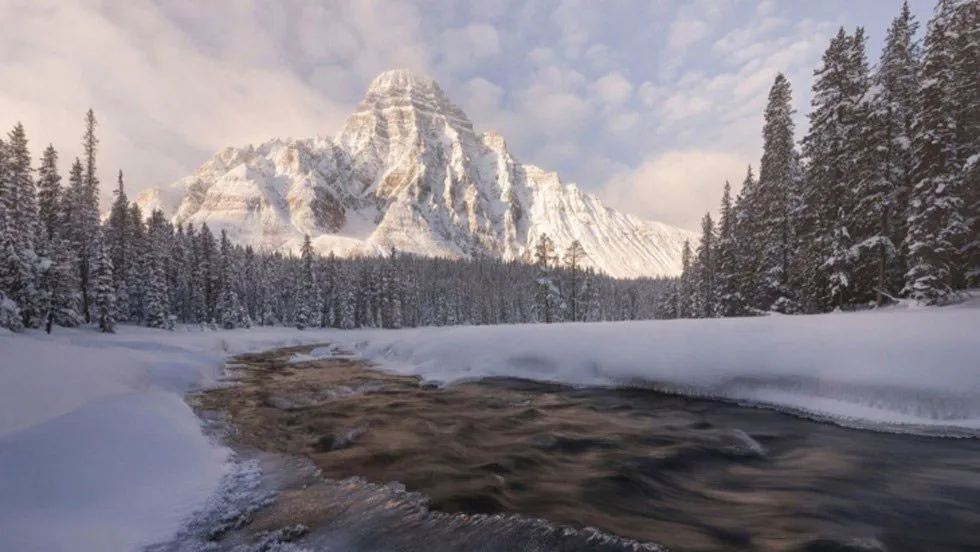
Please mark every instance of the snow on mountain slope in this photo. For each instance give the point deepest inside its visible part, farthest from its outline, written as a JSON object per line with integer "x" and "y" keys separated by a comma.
{"x": 408, "y": 172}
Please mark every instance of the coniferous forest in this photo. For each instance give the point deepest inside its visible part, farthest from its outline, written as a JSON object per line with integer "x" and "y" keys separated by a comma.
{"x": 62, "y": 265}
{"x": 879, "y": 200}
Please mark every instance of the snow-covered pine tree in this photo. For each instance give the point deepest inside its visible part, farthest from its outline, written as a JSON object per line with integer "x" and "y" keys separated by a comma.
{"x": 393, "y": 292}
{"x": 10, "y": 315}
{"x": 669, "y": 300}
{"x": 862, "y": 247}
{"x": 574, "y": 257}
{"x": 775, "y": 200}
{"x": 826, "y": 264}
{"x": 936, "y": 224}
{"x": 328, "y": 285}
{"x": 180, "y": 276}
{"x": 229, "y": 312}
{"x": 138, "y": 266}
{"x": 685, "y": 285}
{"x": 103, "y": 288}
{"x": 307, "y": 294}
{"x": 251, "y": 279}
{"x": 19, "y": 193}
{"x": 57, "y": 267}
{"x": 745, "y": 266}
{"x": 120, "y": 249}
{"x": 344, "y": 300}
{"x": 158, "y": 237}
{"x": 966, "y": 92}
{"x": 705, "y": 280}
{"x": 730, "y": 302}
{"x": 208, "y": 275}
{"x": 11, "y": 266}
{"x": 63, "y": 284}
{"x": 896, "y": 103}
{"x": 591, "y": 304}
{"x": 971, "y": 250}
{"x": 49, "y": 194}
{"x": 85, "y": 185}
{"x": 549, "y": 300}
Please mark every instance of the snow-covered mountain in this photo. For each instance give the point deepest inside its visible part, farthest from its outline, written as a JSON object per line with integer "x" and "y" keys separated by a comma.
{"x": 409, "y": 172}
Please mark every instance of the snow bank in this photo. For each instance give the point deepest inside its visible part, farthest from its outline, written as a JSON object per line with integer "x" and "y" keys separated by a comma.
{"x": 98, "y": 450}
{"x": 914, "y": 370}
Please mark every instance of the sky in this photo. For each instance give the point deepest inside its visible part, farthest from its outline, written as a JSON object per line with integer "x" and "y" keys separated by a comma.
{"x": 651, "y": 104}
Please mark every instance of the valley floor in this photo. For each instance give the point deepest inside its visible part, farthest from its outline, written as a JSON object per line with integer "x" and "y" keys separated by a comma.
{"x": 99, "y": 450}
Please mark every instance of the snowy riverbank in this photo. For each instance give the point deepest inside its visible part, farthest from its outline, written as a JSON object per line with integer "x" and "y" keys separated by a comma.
{"x": 98, "y": 451}
{"x": 902, "y": 369}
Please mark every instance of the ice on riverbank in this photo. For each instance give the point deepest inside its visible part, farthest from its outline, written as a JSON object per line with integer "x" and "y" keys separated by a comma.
{"x": 98, "y": 450}
{"x": 902, "y": 369}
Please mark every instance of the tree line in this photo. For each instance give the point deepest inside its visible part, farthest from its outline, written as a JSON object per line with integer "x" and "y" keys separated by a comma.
{"x": 61, "y": 265}
{"x": 880, "y": 201}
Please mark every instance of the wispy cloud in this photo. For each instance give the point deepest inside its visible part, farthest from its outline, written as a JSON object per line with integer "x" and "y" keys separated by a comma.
{"x": 651, "y": 104}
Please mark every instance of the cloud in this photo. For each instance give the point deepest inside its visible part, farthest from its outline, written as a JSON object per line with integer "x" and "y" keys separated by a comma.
{"x": 464, "y": 47}
{"x": 685, "y": 32}
{"x": 541, "y": 56}
{"x": 607, "y": 94}
{"x": 160, "y": 101}
{"x": 561, "y": 112}
{"x": 676, "y": 187}
{"x": 612, "y": 89}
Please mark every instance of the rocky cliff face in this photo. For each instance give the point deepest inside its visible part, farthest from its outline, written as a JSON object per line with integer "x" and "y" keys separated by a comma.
{"x": 409, "y": 172}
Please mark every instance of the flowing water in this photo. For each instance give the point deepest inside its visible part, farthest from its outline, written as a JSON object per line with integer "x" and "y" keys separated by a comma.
{"x": 687, "y": 474}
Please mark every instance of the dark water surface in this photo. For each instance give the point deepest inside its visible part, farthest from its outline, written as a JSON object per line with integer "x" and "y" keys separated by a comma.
{"x": 689, "y": 474}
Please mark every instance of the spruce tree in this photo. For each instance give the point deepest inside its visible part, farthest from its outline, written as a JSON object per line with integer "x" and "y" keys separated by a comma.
{"x": 730, "y": 302}
{"x": 706, "y": 283}
{"x": 746, "y": 232}
{"x": 895, "y": 103}
{"x": 157, "y": 250}
{"x": 137, "y": 269}
{"x": 966, "y": 92}
{"x": 63, "y": 284}
{"x": 103, "y": 290}
{"x": 574, "y": 257}
{"x": 685, "y": 286}
{"x": 19, "y": 195}
{"x": 120, "y": 247}
{"x": 936, "y": 224}
{"x": 826, "y": 262}
{"x": 10, "y": 315}
{"x": 49, "y": 194}
{"x": 307, "y": 292}
{"x": 548, "y": 295}
{"x": 775, "y": 201}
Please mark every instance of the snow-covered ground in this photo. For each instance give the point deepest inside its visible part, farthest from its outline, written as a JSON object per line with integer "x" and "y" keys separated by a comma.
{"x": 98, "y": 451}
{"x": 902, "y": 369}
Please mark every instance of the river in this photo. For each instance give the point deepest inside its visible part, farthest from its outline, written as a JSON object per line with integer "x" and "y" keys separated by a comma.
{"x": 383, "y": 462}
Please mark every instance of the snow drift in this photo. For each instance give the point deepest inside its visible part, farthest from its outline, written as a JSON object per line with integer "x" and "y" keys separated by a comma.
{"x": 909, "y": 370}
{"x": 98, "y": 450}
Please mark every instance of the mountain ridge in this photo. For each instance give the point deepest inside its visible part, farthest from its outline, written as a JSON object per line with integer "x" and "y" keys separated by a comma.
{"x": 408, "y": 171}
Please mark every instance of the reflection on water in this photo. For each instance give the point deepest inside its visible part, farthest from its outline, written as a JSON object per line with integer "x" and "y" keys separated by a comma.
{"x": 690, "y": 474}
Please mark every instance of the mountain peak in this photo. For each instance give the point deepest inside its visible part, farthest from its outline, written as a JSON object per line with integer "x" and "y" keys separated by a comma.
{"x": 402, "y": 79}
{"x": 407, "y": 171}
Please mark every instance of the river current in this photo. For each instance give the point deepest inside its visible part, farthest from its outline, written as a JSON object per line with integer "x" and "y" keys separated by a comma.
{"x": 353, "y": 458}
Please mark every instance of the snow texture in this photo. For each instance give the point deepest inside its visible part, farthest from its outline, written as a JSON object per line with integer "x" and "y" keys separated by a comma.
{"x": 908, "y": 370}
{"x": 98, "y": 450}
